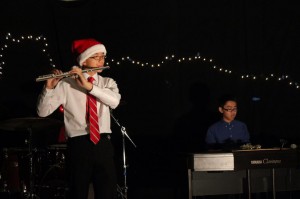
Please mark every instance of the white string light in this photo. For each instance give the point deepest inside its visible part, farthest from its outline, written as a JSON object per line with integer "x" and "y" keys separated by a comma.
{"x": 166, "y": 60}
{"x": 214, "y": 67}
{"x": 9, "y": 40}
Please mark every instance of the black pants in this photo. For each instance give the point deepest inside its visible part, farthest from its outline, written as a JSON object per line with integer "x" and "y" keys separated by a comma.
{"x": 86, "y": 163}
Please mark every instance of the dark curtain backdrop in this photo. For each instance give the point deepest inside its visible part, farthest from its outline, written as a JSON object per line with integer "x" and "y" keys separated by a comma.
{"x": 246, "y": 37}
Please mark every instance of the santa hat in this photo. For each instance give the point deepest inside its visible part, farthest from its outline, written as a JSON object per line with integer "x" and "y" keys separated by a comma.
{"x": 85, "y": 48}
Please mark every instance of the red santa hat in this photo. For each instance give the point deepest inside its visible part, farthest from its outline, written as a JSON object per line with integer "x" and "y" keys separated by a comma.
{"x": 85, "y": 48}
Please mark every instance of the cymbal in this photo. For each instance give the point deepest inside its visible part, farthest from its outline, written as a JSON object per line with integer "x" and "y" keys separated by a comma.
{"x": 29, "y": 123}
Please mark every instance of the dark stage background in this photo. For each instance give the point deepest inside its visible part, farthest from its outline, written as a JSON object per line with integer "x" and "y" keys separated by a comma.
{"x": 254, "y": 38}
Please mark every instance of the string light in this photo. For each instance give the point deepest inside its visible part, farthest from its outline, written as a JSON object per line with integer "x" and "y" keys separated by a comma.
{"x": 213, "y": 65}
{"x": 9, "y": 40}
{"x": 167, "y": 59}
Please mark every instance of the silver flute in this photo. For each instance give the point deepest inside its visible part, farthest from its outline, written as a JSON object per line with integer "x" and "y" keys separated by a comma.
{"x": 67, "y": 74}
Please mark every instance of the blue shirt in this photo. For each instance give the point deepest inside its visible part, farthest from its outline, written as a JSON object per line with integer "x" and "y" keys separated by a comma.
{"x": 221, "y": 132}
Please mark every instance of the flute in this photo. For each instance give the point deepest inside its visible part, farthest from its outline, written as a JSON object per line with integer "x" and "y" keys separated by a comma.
{"x": 67, "y": 74}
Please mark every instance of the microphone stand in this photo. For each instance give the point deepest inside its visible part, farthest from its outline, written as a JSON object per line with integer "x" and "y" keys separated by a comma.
{"x": 124, "y": 133}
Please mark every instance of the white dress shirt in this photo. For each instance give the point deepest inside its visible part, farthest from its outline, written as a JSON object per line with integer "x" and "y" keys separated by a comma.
{"x": 73, "y": 98}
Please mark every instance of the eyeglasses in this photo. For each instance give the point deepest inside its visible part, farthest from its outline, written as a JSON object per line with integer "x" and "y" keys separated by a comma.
{"x": 230, "y": 109}
{"x": 98, "y": 58}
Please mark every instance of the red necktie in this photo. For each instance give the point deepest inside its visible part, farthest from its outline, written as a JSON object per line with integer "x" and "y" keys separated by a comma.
{"x": 93, "y": 116}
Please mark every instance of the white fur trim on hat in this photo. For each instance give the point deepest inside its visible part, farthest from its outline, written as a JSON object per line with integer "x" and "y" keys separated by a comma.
{"x": 90, "y": 51}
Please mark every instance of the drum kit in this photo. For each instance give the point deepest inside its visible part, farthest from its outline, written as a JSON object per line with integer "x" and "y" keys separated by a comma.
{"x": 32, "y": 161}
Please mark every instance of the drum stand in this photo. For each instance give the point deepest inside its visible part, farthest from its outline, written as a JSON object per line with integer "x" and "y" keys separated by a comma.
{"x": 30, "y": 194}
{"x": 27, "y": 124}
{"x": 123, "y": 190}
